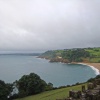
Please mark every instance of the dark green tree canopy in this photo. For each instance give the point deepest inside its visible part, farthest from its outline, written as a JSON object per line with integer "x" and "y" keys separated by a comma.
{"x": 75, "y": 55}
{"x": 30, "y": 84}
{"x": 5, "y": 90}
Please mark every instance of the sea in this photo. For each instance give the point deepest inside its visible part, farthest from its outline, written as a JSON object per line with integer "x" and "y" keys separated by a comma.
{"x": 13, "y": 67}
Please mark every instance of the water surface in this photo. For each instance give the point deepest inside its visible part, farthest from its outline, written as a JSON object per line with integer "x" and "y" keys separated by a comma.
{"x": 12, "y": 67}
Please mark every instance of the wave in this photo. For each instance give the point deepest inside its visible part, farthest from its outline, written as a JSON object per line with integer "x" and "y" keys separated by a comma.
{"x": 95, "y": 69}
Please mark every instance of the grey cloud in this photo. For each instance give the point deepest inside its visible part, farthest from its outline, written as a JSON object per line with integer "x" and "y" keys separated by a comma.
{"x": 49, "y": 24}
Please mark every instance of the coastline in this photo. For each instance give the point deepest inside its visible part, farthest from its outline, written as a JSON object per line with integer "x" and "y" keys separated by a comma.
{"x": 94, "y": 66}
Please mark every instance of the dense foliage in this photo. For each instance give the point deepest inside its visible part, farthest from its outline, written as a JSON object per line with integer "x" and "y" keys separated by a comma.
{"x": 27, "y": 85}
{"x": 30, "y": 84}
{"x": 73, "y": 55}
{"x": 92, "y": 79}
{"x": 48, "y": 54}
{"x": 5, "y": 90}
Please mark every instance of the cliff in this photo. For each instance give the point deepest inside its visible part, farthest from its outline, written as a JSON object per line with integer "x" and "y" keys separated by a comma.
{"x": 73, "y": 55}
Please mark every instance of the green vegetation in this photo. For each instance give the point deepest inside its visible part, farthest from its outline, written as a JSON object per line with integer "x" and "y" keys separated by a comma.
{"x": 27, "y": 85}
{"x": 93, "y": 79}
{"x": 51, "y": 54}
{"x": 59, "y": 93}
{"x": 53, "y": 94}
{"x": 73, "y": 55}
{"x": 30, "y": 84}
{"x": 5, "y": 90}
{"x": 94, "y": 55}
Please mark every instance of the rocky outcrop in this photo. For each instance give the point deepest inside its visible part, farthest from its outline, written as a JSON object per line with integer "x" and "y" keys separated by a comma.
{"x": 59, "y": 60}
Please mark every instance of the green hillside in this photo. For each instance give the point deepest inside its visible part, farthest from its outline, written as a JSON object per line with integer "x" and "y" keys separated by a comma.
{"x": 94, "y": 54}
{"x": 53, "y": 94}
{"x": 73, "y": 55}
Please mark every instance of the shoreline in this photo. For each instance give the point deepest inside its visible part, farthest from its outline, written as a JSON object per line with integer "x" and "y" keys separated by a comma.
{"x": 94, "y": 66}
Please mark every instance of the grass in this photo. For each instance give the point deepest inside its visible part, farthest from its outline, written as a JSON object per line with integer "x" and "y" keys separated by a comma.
{"x": 95, "y": 55}
{"x": 53, "y": 94}
{"x": 94, "y": 51}
{"x": 95, "y": 60}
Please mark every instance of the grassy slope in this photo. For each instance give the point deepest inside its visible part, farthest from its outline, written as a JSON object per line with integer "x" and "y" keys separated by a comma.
{"x": 95, "y": 53}
{"x": 53, "y": 95}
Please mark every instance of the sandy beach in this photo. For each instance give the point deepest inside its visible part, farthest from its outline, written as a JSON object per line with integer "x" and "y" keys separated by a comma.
{"x": 95, "y": 65}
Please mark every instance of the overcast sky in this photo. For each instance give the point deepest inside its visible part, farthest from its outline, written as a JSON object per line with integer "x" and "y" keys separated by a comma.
{"x": 49, "y": 24}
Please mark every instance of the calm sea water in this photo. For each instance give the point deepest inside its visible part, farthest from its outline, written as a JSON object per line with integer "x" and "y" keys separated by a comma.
{"x": 12, "y": 67}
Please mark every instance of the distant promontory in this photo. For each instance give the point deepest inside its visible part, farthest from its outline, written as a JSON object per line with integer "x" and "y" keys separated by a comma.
{"x": 86, "y": 55}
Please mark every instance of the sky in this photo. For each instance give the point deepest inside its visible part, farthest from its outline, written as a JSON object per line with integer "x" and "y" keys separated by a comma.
{"x": 39, "y": 25}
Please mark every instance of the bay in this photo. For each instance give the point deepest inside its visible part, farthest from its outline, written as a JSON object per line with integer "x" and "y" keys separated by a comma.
{"x": 13, "y": 67}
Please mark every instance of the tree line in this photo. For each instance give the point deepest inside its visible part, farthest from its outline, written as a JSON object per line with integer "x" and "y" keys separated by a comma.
{"x": 27, "y": 85}
{"x": 75, "y": 55}
{"x": 72, "y": 55}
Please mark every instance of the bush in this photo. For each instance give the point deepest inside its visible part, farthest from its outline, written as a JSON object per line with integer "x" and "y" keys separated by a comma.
{"x": 30, "y": 84}
{"x": 98, "y": 76}
{"x": 5, "y": 90}
{"x": 91, "y": 80}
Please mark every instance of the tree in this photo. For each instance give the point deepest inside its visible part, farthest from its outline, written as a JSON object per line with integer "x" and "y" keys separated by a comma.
{"x": 49, "y": 86}
{"x": 5, "y": 90}
{"x": 30, "y": 84}
{"x": 75, "y": 55}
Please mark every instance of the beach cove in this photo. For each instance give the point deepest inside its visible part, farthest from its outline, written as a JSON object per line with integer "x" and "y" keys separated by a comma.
{"x": 13, "y": 67}
{"x": 94, "y": 66}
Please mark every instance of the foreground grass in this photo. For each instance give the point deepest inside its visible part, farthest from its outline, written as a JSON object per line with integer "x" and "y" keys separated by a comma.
{"x": 53, "y": 94}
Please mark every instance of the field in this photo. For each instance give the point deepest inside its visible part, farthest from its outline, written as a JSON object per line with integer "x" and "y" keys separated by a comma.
{"x": 94, "y": 55}
{"x": 53, "y": 94}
